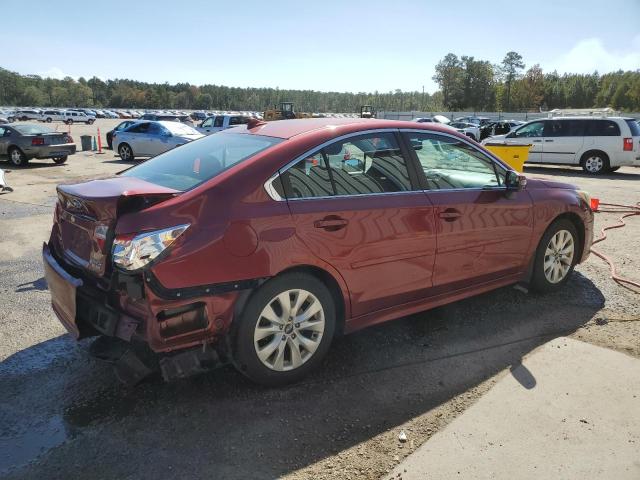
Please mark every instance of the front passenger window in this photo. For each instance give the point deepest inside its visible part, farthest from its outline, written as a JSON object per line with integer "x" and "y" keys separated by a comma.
{"x": 528, "y": 131}
{"x": 449, "y": 163}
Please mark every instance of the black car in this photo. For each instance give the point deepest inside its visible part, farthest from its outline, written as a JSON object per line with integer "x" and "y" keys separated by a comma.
{"x": 121, "y": 126}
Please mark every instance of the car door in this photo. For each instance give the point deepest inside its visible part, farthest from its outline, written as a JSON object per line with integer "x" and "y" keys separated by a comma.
{"x": 138, "y": 139}
{"x": 5, "y": 133}
{"x": 483, "y": 231}
{"x": 528, "y": 134}
{"x": 562, "y": 139}
{"x": 356, "y": 205}
{"x": 206, "y": 126}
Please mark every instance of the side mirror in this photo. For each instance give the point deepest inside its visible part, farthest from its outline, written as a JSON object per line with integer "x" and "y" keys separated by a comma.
{"x": 514, "y": 181}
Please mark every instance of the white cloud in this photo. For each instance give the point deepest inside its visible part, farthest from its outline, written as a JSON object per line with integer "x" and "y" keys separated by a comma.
{"x": 590, "y": 54}
{"x": 53, "y": 72}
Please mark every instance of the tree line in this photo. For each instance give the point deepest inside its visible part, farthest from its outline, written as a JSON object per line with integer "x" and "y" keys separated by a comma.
{"x": 466, "y": 84}
{"x": 478, "y": 85}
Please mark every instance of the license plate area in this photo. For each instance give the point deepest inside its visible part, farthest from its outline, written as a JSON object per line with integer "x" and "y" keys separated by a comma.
{"x": 63, "y": 288}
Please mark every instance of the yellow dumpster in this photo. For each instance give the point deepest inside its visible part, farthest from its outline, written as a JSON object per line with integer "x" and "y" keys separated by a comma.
{"x": 513, "y": 155}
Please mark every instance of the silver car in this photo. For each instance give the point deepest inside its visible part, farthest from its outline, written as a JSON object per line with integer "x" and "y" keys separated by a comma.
{"x": 151, "y": 138}
{"x": 22, "y": 142}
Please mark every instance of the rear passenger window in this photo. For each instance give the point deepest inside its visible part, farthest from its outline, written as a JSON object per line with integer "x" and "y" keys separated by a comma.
{"x": 602, "y": 128}
{"x": 309, "y": 178}
{"x": 218, "y": 121}
{"x": 564, "y": 128}
{"x": 363, "y": 165}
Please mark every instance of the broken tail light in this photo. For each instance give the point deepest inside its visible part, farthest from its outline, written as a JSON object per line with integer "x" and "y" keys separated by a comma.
{"x": 134, "y": 252}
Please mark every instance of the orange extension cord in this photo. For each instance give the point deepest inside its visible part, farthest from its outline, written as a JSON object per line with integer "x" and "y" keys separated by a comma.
{"x": 627, "y": 211}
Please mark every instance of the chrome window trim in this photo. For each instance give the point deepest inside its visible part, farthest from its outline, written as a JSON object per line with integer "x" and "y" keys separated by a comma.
{"x": 273, "y": 194}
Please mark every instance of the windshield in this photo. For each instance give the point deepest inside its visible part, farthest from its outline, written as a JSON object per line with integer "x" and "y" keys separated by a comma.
{"x": 32, "y": 129}
{"x": 190, "y": 165}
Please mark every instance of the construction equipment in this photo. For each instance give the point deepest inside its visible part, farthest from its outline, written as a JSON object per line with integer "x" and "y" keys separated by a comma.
{"x": 285, "y": 112}
{"x": 367, "y": 111}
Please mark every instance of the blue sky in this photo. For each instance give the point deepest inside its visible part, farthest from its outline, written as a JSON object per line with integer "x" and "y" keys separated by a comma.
{"x": 327, "y": 45}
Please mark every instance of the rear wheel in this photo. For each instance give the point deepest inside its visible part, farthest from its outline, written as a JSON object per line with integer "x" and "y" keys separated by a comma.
{"x": 16, "y": 157}
{"x": 595, "y": 162}
{"x": 90, "y": 122}
{"x": 69, "y": 121}
{"x": 556, "y": 256}
{"x": 285, "y": 329}
{"x": 48, "y": 119}
{"x": 60, "y": 160}
{"x": 125, "y": 152}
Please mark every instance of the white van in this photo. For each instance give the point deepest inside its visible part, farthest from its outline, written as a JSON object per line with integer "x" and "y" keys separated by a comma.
{"x": 216, "y": 123}
{"x": 72, "y": 116}
{"x": 597, "y": 144}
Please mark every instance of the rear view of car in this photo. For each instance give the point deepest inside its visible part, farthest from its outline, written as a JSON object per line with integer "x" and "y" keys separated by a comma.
{"x": 22, "y": 142}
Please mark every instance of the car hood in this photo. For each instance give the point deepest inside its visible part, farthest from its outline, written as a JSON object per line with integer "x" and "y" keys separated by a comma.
{"x": 536, "y": 183}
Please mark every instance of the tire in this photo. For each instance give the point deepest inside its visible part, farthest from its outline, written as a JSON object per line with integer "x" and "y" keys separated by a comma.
{"x": 16, "y": 157}
{"x": 48, "y": 120}
{"x": 69, "y": 121}
{"x": 281, "y": 336}
{"x": 126, "y": 152}
{"x": 552, "y": 268}
{"x": 90, "y": 122}
{"x": 60, "y": 160}
{"x": 595, "y": 162}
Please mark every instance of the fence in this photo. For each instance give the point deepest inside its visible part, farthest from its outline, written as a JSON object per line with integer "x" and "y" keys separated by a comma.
{"x": 525, "y": 116}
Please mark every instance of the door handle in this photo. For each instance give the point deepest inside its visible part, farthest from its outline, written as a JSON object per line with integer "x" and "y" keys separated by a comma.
{"x": 537, "y": 141}
{"x": 548, "y": 140}
{"x": 450, "y": 215}
{"x": 331, "y": 223}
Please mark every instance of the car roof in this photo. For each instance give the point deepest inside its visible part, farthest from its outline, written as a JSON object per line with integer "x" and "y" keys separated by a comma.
{"x": 291, "y": 128}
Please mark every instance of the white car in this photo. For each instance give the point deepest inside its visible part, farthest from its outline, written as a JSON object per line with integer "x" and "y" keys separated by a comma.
{"x": 221, "y": 122}
{"x": 51, "y": 116}
{"x": 151, "y": 138}
{"x": 27, "y": 114}
{"x": 471, "y": 130}
{"x": 73, "y": 116}
{"x": 597, "y": 144}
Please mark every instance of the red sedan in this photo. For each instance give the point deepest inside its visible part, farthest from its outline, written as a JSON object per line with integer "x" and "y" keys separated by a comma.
{"x": 259, "y": 244}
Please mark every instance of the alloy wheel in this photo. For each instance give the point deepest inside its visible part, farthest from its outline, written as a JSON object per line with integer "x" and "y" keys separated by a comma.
{"x": 558, "y": 257}
{"x": 125, "y": 152}
{"x": 289, "y": 330}
{"x": 594, "y": 164}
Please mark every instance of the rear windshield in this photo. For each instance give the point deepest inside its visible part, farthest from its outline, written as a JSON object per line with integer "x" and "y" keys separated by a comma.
{"x": 31, "y": 129}
{"x": 185, "y": 167}
{"x": 634, "y": 127}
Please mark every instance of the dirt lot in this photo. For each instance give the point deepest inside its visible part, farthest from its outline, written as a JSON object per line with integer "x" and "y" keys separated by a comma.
{"x": 63, "y": 415}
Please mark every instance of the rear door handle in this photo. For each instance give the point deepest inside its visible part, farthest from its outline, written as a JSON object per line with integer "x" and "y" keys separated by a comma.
{"x": 450, "y": 215}
{"x": 331, "y": 224}
{"x": 548, "y": 140}
{"x": 536, "y": 141}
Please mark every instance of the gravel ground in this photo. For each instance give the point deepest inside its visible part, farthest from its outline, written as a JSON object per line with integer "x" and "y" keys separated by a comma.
{"x": 63, "y": 415}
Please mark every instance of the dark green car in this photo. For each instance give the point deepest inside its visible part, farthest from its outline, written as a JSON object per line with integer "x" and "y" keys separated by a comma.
{"x": 22, "y": 142}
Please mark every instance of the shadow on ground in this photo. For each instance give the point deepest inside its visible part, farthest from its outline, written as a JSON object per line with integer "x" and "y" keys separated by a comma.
{"x": 219, "y": 425}
{"x": 573, "y": 172}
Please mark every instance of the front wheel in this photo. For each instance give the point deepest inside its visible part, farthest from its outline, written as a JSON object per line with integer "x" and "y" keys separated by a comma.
{"x": 90, "y": 122}
{"x": 49, "y": 120}
{"x": 60, "y": 160}
{"x": 285, "y": 330}
{"x": 556, "y": 256}
{"x": 69, "y": 122}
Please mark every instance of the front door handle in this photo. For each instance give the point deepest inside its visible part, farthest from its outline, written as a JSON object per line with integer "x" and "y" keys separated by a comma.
{"x": 548, "y": 140}
{"x": 331, "y": 223}
{"x": 537, "y": 141}
{"x": 450, "y": 215}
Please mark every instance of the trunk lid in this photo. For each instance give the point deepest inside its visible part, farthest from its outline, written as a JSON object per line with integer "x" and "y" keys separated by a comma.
{"x": 86, "y": 214}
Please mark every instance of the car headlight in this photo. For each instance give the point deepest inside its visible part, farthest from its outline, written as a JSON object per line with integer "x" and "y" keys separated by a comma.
{"x": 133, "y": 253}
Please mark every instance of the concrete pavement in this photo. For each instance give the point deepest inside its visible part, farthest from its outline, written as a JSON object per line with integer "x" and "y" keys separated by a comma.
{"x": 570, "y": 410}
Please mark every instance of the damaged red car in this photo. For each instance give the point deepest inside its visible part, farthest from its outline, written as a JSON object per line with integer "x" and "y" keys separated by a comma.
{"x": 259, "y": 244}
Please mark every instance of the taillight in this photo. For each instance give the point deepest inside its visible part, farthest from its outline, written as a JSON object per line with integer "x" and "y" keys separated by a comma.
{"x": 37, "y": 141}
{"x": 627, "y": 144}
{"x": 100, "y": 236}
{"x": 133, "y": 253}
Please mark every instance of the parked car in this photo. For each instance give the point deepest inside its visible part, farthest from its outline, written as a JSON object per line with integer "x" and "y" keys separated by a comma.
{"x": 435, "y": 119}
{"x": 198, "y": 116}
{"x": 110, "y": 114}
{"x": 598, "y": 145}
{"x": 147, "y": 139}
{"x": 51, "y": 116}
{"x": 221, "y": 122}
{"x": 27, "y": 114}
{"x": 501, "y": 127}
{"x": 121, "y": 126}
{"x": 481, "y": 121}
{"x": 168, "y": 117}
{"x": 22, "y": 142}
{"x": 75, "y": 116}
{"x": 4, "y": 120}
{"x": 261, "y": 243}
{"x": 471, "y": 130}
